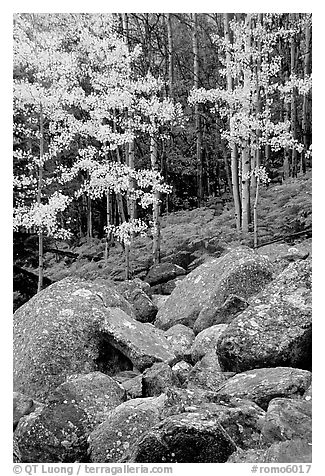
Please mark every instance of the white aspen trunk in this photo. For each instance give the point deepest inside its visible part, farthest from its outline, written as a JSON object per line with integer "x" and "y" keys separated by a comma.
{"x": 234, "y": 152}
{"x": 170, "y": 55}
{"x": 245, "y": 144}
{"x": 305, "y": 106}
{"x": 255, "y": 214}
{"x": 197, "y": 110}
{"x": 156, "y": 197}
{"x": 293, "y": 100}
{"x": 39, "y": 200}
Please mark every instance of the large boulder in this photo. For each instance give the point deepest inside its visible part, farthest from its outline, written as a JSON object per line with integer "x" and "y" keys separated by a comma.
{"x": 135, "y": 292}
{"x": 184, "y": 438}
{"x": 94, "y": 393}
{"x": 276, "y": 329}
{"x": 111, "y": 440}
{"x": 207, "y": 373}
{"x": 206, "y": 341}
{"x": 58, "y": 430}
{"x": 224, "y": 314}
{"x": 180, "y": 338}
{"x": 240, "y": 272}
{"x": 77, "y": 326}
{"x": 157, "y": 379}
{"x": 241, "y": 419}
{"x": 287, "y": 419}
{"x": 54, "y": 433}
{"x": 262, "y": 385}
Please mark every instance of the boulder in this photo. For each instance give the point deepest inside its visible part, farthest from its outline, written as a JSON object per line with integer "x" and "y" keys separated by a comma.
{"x": 206, "y": 341}
{"x": 287, "y": 419}
{"x": 76, "y": 326}
{"x": 224, "y": 314}
{"x": 275, "y": 330}
{"x": 282, "y": 254}
{"x": 163, "y": 272}
{"x": 240, "y": 272}
{"x": 159, "y": 300}
{"x": 54, "y": 433}
{"x": 58, "y": 430}
{"x": 180, "y": 338}
{"x": 184, "y": 438}
{"x": 131, "y": 382}
{"x": 95, "y": 393}
{"x": 241, "y": 419}
{"x": 262, "y": 385}
{"x": 111, "y": 440}
{"x": 22, "y": 405}
{"x": 135, "y": 293}
{"x": 157, "y": 379}
{"x": 294, "y": 451}
{"x": 181, "y": 371}
{"x": 207, "y": 373}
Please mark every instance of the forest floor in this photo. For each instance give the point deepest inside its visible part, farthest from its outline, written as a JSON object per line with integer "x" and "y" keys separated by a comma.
{"x": 283, "y": 209}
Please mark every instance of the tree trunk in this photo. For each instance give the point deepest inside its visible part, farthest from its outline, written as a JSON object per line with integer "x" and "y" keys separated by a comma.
{"x": 245, "y": 145}
{"x": 305, "y": 107}
{"x": 234, "y": 153}
{"x": 156, "y": 196}
{"x": 197, "y": 110}
{"x": 39, "y": 200}
{"x": 293, "y": 51}
{"x": 170, "y": 56}
{"x": 255, "y": 214}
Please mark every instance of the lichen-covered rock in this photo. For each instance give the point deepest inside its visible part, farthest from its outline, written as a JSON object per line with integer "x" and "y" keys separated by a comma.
{"x": 157, "y": 379}
{"x": 276, "y": 329}
{"x": 54, "y": 433}
{"x": 184, "y": 438}
{"x": 22, "y": 405}
{"x": 94, "y": 393}
{"x": 287, "y": 419}
{"x": 224, "y": 314}
{"x": 135, "y": 293}
{"x": 180, "y": 338}
{"x": 206, "y": 341}
{"x": 159, "y": 300}
{"x": 181, "y": 371}
{"x": 111, "y": 440}
{"x": 163, "y": 272}
{"x": 293, "y": 451}
{"x": 76, "y": 326}
{"x": 253, "y": 455}
{"x": 207, "y": 373}
{"x": 241, "y": 419}
{"x": 262, "y": 385}
{"x": 239, "y": 272}
{"x": 282, "y": 254}
{"x": 58, "y": 431}
{"x": 131, "y": 381}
